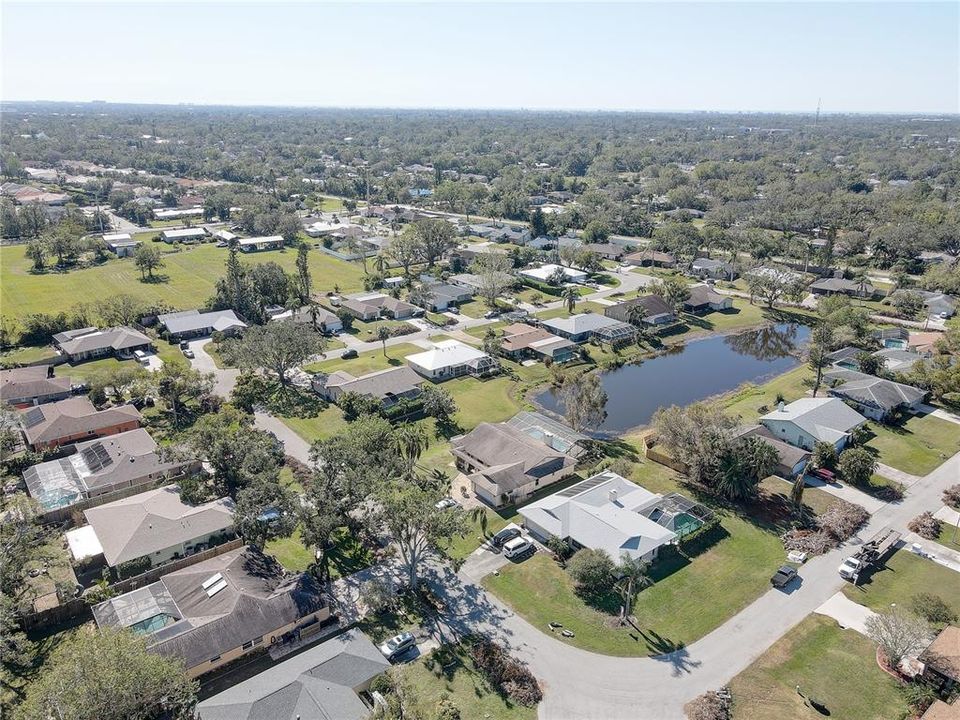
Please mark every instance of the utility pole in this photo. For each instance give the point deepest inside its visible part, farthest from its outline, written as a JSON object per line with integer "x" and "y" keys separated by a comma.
{"x": 817, "y": 119}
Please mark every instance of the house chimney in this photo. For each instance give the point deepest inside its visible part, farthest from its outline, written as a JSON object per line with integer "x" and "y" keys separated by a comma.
{"x": 49, "y": 371}
{"x": 780, "y": 406}
{"x": 612, "y": 495}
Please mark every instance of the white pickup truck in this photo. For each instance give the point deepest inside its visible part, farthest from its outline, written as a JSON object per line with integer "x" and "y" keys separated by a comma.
{"x": 850, "y": 568}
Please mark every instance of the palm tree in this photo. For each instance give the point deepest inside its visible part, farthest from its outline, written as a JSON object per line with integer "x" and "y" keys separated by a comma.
{"x": 383, "y": 334}
{"x": 411, "y": 441}
{"x": 380, "y": 264}
{"x": 861, "y": 279}
{"x": 570, "y": 296}
{"x": 796, "y": 492}
{"x": 633, "y": 578}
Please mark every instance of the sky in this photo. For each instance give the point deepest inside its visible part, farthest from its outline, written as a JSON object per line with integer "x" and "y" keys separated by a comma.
{"x": 773, "y": 56}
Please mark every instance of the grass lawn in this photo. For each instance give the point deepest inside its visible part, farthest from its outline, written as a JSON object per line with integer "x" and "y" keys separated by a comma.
{"x": 327, "y": 423}
{"x": 188, "y": 279}
{"x": 836, "y": 667}
{"x": 480, "y": 401}
{"x": 949, "y": 536}
{"x": 748, "y": 399}
{"x": 90, "y": 372}
{"x": 346, "y": 557}
{"x": 581, "y": 307}
{"x": 367, "y": 362}
{"x": 903, "y": 575}
{"x": 367, "y": 331}
{"x": 691, "y": 596}
{"x": 27, "y": 355}
{"x": 450, "y": 672}
{"x": 918, "y": 445}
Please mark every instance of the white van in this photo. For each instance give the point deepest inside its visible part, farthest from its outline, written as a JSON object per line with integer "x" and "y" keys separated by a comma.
{"x": 517, "y": 547}
{"x": 141, "y": 357}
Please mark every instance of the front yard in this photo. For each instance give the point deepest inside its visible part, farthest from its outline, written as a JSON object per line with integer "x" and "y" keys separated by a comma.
{"x": 836, "y": 667}
{"x": 916, "y": 446}
{"x": 367, "y": 362}
{"x": 904, "y": 575}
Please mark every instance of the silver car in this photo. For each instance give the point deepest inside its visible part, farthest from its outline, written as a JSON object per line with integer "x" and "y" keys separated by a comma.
{"x": 398, "y": 645}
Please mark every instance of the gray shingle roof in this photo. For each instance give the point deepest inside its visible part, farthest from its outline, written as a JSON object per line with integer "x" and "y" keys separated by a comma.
{"x": 90, "y": 339}
{"x": 193, "y": 321}
{"x": 30, "y": 382}
{"x": 879, "y": 393}
{"x": 53, "y": 421}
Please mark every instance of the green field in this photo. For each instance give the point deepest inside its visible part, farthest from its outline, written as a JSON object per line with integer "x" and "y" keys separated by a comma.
{"x": 903, "y": 575}
{"x": 749, "y": 399}
{"x": 916, "y": 446}
{"x": 190, "y": 275}
{"x": 367, "y": 362}
{"x": 836, "y": 667}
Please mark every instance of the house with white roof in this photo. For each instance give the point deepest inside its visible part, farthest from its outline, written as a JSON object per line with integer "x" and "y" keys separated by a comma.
{"x": 544, "y": 272}
{"x": 184, "y": 235}
{"x": 450, "y": 359}
{"x": 120, "y": 244}
{"x": 580, "y": 328}
{"x": 256, "y": 244}
{"x": 807, "y": 421}
{"x": 193, "y": 323}
{"x": 608, "y": 512}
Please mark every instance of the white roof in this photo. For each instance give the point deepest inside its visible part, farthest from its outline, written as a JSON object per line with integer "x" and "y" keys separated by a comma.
{"x": 184, "y": 232}
{"x": 581, "y": 323}
{"x": 605, "y": 512}
{"x": 83, "y": 543}
{"x": 448, "y": 353}
{"x": 827, "y": 419}
{"x": 263, "y": 239}
{"x": 116, "y": 237}
{"x": 545, "y": 271}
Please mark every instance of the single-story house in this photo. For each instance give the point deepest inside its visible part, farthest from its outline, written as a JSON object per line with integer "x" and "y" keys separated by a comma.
{"x": 608, "y": 512}
{"x": 548, "y": 431}
{"x": 897, "y": 360}
{"x": 544, "y": 273}
{"x": 653, "y": 258}
{"x": 20, "y": 387}
{"x": 791, "y": 460}
{"x": 845, "y": 357}
{"x": 321, "y": 683}
{"x": 120, "y": 244}
{"x": 98, "y": 468}
{"x": 807, "y": 421}
{"x": 935, "y": 257}
{"x": 505, "y": 465}
{"x": 657, "y": 311}
{"x": 521, "y": 340}
{"x": 941, "y": 659}
{"x": 154, "y": 527}
{"x": 226, "y": 236}
{"x": 218, "y": 610}
{"x": 326, "y": 321}
{"x": 177, "y": 213}
{"x": 877, "y": 398}
{"x": 90, "y": 343}
{"x": 704, "y": 298}
{"x": 371, "y": 306}
{"x": 193, "y": 323}
{"x": 441, "y": 296}
{"x": 580, "y": 327}
{"x": 835, "y": 286}
{"x": 470, "y": 253}
{"x": 256, "y": 244}
{"x": 554, "y": 349}
{"x": 608, "y": 251}
{"x": 709, "y": 268}
{"x": 775, "y": 273}
{"x": 937, "y": 304}
{"x": 451, "y": 358}
{"x": 184, "y": 235}
{"x": 388, "y": 386}
{"x": 476, "y": 282}
{"x": 684, "y": 213}
{"x": 51, "y": 425}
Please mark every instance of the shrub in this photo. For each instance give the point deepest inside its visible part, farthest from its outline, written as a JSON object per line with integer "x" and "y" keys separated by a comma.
{"x": 925, "y": 525}
{"x": 933, "y": 608}
{"x": 712, "y": 705}
{"x": 504, "y": 672}
{"x": 842, "y": 519}
{"x": 951, "y": 496}
{"x": 824, "y": 456}
{"x": 856, "y": 466}
{"x": 447, "y": 709}
{"x": 382, "y": 684}
{"x": 592, "y": 571}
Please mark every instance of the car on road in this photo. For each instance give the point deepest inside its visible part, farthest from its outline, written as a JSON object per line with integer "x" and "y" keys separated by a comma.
{"x": 188, "y": 353}
{"x": 445, "y": 503}
{"x": 398, "y": 645}
{"x": 348, "y": 354}
{"x": 504, "y": 536}
{"x": 518, "y": 547}
{"x": 783, "y": 576}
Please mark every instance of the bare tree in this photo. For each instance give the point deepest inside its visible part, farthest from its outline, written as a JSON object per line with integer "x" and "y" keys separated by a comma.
{"x": 899, "y": 634}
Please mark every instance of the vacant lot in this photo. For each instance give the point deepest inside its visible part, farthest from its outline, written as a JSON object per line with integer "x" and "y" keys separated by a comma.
{"x": 367, "y": 362}
{"x": 187, "y": 280}
{"x": 836, "y": 667}
{"x": 918, "y": 445}
{"x": 903, "y": 575}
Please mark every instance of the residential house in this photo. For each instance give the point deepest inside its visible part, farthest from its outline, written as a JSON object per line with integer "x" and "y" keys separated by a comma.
{"x": 581, "y": 327}
{"x": 321, "y": 683}
{"x": 51, "y": 425}
{"x": 94, "y": 470}
{"x": 450, "y": 359}
{"x": 324, "y": 320}
{"x": 218, "y": 610}
{"x": 184, "y": 235}
{"x": 470, "y": 253}
{"x": 875, "y": 397}
{"x": 775, "y": 273}
{"x": 21, "y": 387}
{"x": 258, "y": 244}
{"x": 937, "y": 304}
{"x": 372, "y": 305}
{"x": 935, "y": 257}
{"x": 224, "y": 235}
{"x": 899, "y": 361}
{"x": 120, "y": 244}
{"x": 807, "y": 421}
{"x": 151, "y": 529}
{"x": 941, "y": 660}
{"x": 835, "y": 286}
{"x": 442, "y": 296}
{"x": 704, "y": 299}
{"x": 550, "y": 432}
{"x": 522, "y": 341}
{"x": 657, "y": 311}
{"x": 475, "y": 283}
{"x": 608, "y": 251}
{"x": 653, "y": 258}
{"x": 505, "y": 465}
{"x": 684, "y": 213}
{"x": 708, "y": 268}
{"x": 193, "y": 323}
{"x": 608, "y": 512}
{"x": 389, "y": 386}
{"x": 545, "y": 272}
{"x": 91, "y": 343}
{"x": 845, "y": 357}
{"x": 791, "y": 460}
{"x": 177, "y": 213}
{"x": 561, "y": 196}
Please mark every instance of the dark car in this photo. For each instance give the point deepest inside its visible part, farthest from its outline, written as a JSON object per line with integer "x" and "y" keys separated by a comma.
{"x": 825, "y": 475}
{"x": 184, "y": 345}
{"x": 505, "y": 536}
{"x": 783, "y": 576}
{"x": 349, "y": 354}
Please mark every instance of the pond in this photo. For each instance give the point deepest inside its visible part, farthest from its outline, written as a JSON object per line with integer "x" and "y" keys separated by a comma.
{"x": 692, "y": 372}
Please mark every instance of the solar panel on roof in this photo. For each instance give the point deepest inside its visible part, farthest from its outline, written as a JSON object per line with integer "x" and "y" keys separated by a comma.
{"x": 96, "y": 457}
{"x": 216, "y": 587}
{"x": 33, "y": 416}
{"x": 583, "y": 486}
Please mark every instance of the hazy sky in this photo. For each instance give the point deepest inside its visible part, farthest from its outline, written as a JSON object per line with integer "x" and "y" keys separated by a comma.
{"x": 665, "y": 56}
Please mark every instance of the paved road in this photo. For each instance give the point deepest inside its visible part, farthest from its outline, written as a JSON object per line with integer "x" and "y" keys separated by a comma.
{"x": 580, "y": 684}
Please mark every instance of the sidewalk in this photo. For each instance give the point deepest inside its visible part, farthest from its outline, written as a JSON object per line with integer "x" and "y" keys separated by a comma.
{"x": 932, "y": 550}
{"x": 891, "y": 473}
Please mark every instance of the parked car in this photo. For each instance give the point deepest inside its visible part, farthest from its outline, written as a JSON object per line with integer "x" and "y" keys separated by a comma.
{"x": 825, "y": 475}
{"x": 447, "y": 502}
{"x": 453, "y": 309}
{"x": 490, "y": 314}
{"x": 349, "y": 354}
{"x": 141, "y": 357}
{"x": 503, "y": 536}
{"x": 188, "y": 353}
{"x": 518, "y": 547}
{"x": 184, "y": 345}
{"x": 783, "y": 576}
{"x": 398, "y": 645}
